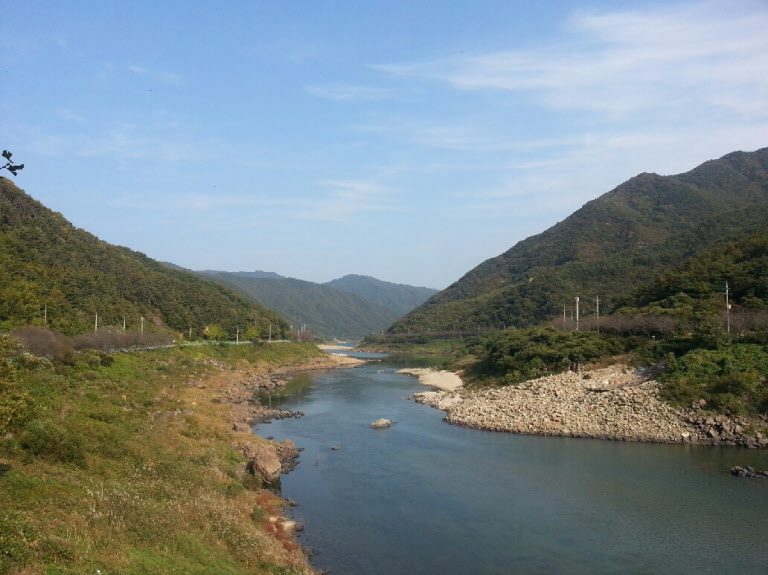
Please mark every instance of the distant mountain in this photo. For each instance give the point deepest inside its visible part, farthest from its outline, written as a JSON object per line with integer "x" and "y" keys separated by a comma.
{"x": 254, "y": 274}
{"x": 396, "y": 297}
{"x": 325, "y": 310}
{"x": 55, "y": 273}
{"x": 608, "y": 248}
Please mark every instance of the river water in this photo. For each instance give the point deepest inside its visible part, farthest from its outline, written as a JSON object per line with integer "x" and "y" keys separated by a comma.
{"x": 424, "y": 497}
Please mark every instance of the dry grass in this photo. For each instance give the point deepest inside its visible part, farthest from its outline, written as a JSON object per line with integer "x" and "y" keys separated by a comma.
{"x": 162, "y": 490}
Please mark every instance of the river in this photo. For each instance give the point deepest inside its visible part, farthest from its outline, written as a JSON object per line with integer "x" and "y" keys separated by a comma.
{"x": 424, "y": 497}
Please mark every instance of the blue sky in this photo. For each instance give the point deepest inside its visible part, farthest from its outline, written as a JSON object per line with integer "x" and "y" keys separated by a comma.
{"x": 407, "y": 140}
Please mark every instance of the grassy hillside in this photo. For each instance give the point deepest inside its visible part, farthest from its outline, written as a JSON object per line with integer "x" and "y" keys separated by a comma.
{"x": 608, "y": 247}
{"x": 399, "y": 298}
{"x": 326, "y": 311}
{"x": 124, "y": 464}
{"x": 50, "y": 268}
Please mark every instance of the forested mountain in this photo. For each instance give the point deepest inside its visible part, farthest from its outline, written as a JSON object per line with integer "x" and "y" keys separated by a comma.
{"x": 701, "y": 279}
{"x": 399, "y": 298}
{"x": 54, "y": 273}
{"x": 325, "y": 310}
{"x": 609, "y": 247}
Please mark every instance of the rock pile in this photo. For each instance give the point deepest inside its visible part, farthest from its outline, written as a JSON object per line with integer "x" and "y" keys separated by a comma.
{"x": 610, "y": 403}
{"x": 725, "y": 430}
{"x": 748, "y": 471}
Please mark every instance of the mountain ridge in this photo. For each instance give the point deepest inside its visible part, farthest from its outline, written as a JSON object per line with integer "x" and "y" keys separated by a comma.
{"x": 603, "y": 242}
{"x": 325, "y": 310}
{"x": 400, "y": 298}
{"x": 55, "y": 274}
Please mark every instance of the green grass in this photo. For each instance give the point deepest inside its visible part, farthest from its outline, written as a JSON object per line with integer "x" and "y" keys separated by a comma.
{"x": 105, "y": 470}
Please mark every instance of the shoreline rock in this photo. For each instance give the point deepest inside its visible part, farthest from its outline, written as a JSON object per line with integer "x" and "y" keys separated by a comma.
{"x": 748, "y": 471}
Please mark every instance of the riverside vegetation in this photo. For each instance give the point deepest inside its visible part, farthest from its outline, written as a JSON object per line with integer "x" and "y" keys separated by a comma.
{"x": 124, "y": 463}
{"x": 714, "y": 388}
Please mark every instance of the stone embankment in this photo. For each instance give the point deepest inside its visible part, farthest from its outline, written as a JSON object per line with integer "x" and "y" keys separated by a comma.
{"x": 617, "y": 403}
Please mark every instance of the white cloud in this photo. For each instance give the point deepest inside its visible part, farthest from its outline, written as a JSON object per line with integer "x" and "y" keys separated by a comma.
{"x": 346, "y": 198}
{"x": 161, "y": 77}
{"x": 348, "y": 92}
{"x": 685, "y": 57}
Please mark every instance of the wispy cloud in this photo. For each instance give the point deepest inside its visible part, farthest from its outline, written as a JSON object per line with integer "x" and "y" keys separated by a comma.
{"x": 625, "y": 62}
{"x": 71, "y": 116}
{"x": 346, "y": 198}
{"x": 347, "y": 92}
{"x": 160, "y": 77}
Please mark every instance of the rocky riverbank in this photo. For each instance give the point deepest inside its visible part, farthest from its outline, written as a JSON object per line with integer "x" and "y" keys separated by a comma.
{"x": 240, "y": 389}
{"x": 616, "y": 403}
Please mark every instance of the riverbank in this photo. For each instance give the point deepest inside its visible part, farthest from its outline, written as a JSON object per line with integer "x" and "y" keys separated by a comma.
{"x": 617, "y": 403}
{"x": 240, "y": 389}
{"x": 131, "y": 462}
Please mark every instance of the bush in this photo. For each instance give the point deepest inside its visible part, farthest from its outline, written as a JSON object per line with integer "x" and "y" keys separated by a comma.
{"x": 45, "y": 439}
{"x": 28, "y": 362}
{"x": 233, "y": 488}
{"x": 41, "y": 341}
{"x": 16, "y": 407}
{"x": 731, "y": 379}
{"x": 15, "y": 538}
{"x": 518, "y": 355}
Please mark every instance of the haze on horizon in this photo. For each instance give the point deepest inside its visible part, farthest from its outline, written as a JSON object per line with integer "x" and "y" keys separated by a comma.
{"x": 399, "y": 140}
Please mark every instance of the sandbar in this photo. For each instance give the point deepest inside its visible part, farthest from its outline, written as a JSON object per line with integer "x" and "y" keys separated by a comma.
{"x": 445, "y": 380}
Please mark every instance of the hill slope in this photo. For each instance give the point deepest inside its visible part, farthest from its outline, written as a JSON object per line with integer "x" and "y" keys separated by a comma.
{"x": 48, "y": 264}
{"x": 399, "y": 298}
{"x": 608, "y": 247}
{"x": 326, "y": 311}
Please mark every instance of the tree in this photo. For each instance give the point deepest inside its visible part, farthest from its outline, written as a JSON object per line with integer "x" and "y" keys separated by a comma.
{"x": 214, "y": 332}
{"x": 10, "y": 166}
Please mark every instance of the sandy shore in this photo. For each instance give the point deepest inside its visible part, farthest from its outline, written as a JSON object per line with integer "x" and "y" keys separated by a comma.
{"x": 444, "y": 380}
{"x": 617, "y": 403}
{"x": 333, "y": 347}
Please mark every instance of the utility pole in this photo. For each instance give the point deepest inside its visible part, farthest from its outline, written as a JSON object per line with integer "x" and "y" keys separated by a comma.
{"x": 563, "y": 317}
{"x": 190, "y": 333}
{"x": 577, "y": 313}
{"x": 237, "y": 336}
{"x": 727, "y": 310}
{"x": 142, "y": 329}
{"x": 123, "y": 324}
{"x": 96, "y": 323}
{"x": 597, "y": 312}
{"x": 270, "y": 333}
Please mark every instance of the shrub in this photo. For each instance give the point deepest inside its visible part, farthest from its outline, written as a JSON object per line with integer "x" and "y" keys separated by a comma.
{"x": 15, "y": 538}
{"x": 16, "y": 406}
{"x": 517, "y": 355}
{"x": 731, "y": 379}
{"x": 28, "y": 362}
{"x": 45, "y": 439}
{"x": 41, "y": 341}
{"x": 233, "y": 489}
{"x": 259, "y": 515}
